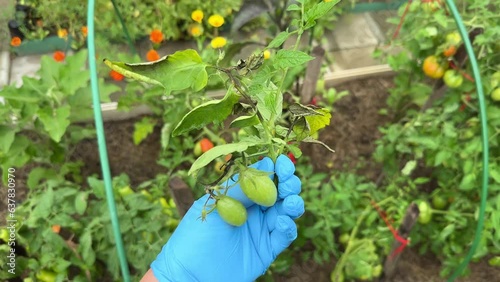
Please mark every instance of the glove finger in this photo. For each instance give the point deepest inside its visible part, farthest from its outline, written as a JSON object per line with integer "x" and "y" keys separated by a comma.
{"x": 266, "y": 164}
{"x": 292, "y": 186}
{"x": 283, "y": 235}
{"x": 292, "y": 206}
{"x": 284, "y": 168}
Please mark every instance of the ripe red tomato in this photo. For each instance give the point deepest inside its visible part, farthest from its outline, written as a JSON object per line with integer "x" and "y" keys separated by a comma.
{"x": 202, "y": 146}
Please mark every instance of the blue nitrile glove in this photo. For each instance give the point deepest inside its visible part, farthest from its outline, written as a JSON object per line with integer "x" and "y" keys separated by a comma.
{"x": 214, "y": 251}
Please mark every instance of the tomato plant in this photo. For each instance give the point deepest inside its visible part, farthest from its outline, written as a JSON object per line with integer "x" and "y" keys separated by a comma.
{"x": 433, "y": 146}
{"x": 255, "y": 88}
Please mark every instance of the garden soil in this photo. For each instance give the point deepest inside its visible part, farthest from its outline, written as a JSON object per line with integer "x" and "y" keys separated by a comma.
{"x": 351, "y": 134}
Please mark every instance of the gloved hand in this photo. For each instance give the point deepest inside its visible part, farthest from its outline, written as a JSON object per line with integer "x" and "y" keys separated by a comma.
{"x": 214, "y": 251}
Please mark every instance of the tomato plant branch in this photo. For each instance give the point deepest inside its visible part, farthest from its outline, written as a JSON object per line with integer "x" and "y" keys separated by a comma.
{"x": 350, "y": 246}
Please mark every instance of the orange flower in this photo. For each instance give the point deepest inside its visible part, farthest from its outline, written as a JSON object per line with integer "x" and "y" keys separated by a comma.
{"x": 84, "y": 30}
{"x": 15, "y": 41}
{"x": 59, "y": 56}
{"x": 116, "y": 76}
{"x": 156, "y": 36}
{"x": 152, "y": 55}
{"x": 216, "y": 20}
{"x": 56, "y": 228}
{"x": 62, "y": 33}
{"x": 197, "y": 15}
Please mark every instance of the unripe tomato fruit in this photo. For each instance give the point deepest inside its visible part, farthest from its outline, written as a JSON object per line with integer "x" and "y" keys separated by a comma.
{"x": 450, "y": 51}
{"x": 453, "y": 79}
{"x": 219, "y": 167}
{"x": 430, "y": 6}
{"x": 495, "y": 80}
{"x": 453, "y": 38}
{"x": 433, "y": 68}
{"x": 495, "y": 94}
{"x": 231, "y": 211}
{"x": 439, "y": 202}
{"x": 377, "y": 270}
{"x": 258, "y": 187}
{"x": 425, "y": 212}
{"x": 344, "y": 238}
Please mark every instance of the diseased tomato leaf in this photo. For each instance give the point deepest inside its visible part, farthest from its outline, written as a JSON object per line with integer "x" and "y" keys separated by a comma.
{"x": 181, "y": 70}
{"x": 214, "y": 111}
{"x": 317, "y": 122}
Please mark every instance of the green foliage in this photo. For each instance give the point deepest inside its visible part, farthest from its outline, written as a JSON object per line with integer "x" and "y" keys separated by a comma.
{"x": 436, "y": 151}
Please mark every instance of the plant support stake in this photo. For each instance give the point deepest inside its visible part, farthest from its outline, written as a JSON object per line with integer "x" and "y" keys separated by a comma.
{"x": 484, "y": 138}
{"x": 103, "y": 155}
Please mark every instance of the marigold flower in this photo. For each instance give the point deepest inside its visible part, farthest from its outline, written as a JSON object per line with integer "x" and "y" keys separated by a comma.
{"x": 84, "y": 30}
{"x": 62, "y": 33}
{"x": 59, "y": 56}
{"x": 156, "y": 36}
{"x": 218, "y": 42}
{"x": 15, "y": 41}
{"x": 152, "y": 55}
{"x": 195, "y": 30}
{"x": 197, "y": 15}
{"x": 56, "y": 228}
{"x": 116, "y": 76}
{"x": 216, "y": 20}
{"x": 267, "y": 54}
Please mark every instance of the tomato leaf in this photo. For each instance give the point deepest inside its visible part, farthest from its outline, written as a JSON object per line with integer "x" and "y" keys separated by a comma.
{"x": 279, "y": 40}
{"x": 81, "y": 202}
{"x": 318, "y": 11}
{"x": 7, "y": 135}
{"x": 244, "y": 121}
{"x": 290, "y": 58}
{"x": 55, "y": 121}
{"x": 214, "y": 111}
{"x": 317, "y": 122}
{"x": 166, "y": 130}
{"x": 216, "y": 152}
{"x": 312, "y": 140}
{"x": 181, "y": 70}
{"x": 142, "y": 129}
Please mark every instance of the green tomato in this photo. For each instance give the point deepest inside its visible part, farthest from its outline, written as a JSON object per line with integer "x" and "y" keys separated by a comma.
{"x": 125, "y": 191}
{"x": 495, "y": 80}
{"x": 453, "y": 79}
{"x": 258, "y": 187}
{"x": 453, "y": 38}
{"x": 344, "y": 238}
{"x": 439, "y": 202}
{"x": 425, "y": 212}
{"x": 495, "y": 94}
{"x": 46, "y": 276}
{"x": 231, "y": 211}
